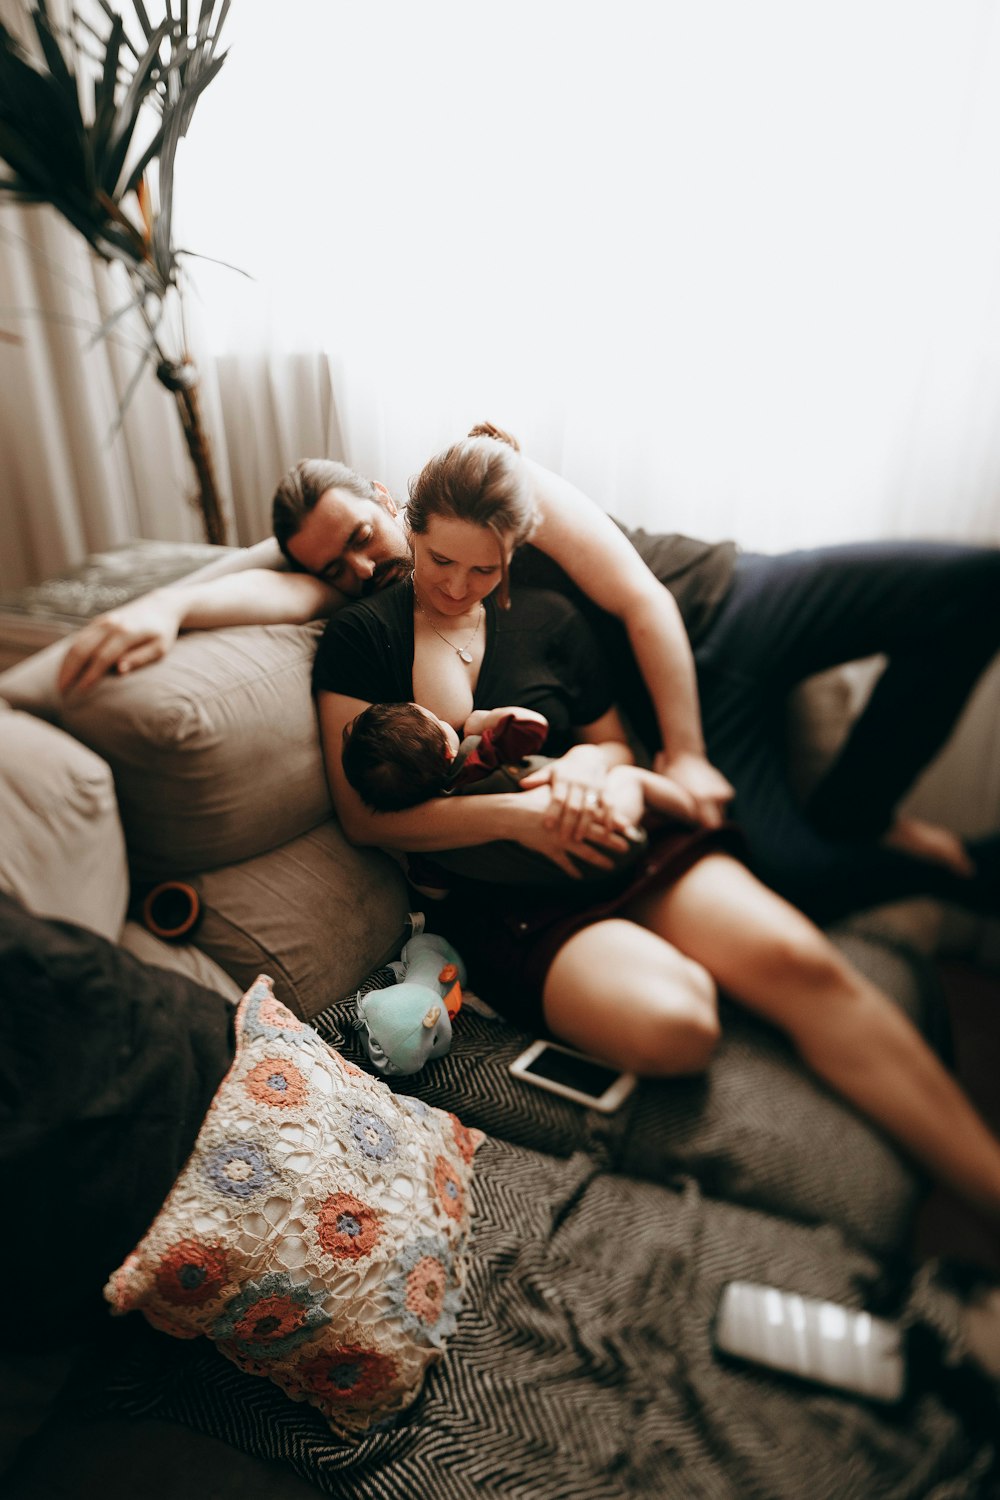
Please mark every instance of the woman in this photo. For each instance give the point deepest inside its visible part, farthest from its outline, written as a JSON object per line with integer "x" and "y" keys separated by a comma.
{"x": 634, "y": 979}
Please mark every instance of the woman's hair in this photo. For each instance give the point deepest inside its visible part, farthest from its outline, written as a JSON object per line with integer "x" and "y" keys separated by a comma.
{"x": 300, "y": 489}
{"x": 483, "y": 481}
{"x": 396, "y": 757}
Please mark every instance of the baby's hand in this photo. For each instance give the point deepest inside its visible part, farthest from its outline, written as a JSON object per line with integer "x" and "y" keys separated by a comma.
{"x": 482, "y": 719}
{"x": 622, "y": 798}
{"x": 630, "y": 791}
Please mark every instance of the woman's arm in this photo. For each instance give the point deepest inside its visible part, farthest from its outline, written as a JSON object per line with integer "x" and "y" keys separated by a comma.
{"x": 449, "y": 822}
{"x": 588, "y": 546}
{"x": 145, "y": 629}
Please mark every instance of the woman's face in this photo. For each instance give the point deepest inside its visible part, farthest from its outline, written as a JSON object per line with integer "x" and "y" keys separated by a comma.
{"x": 455, "y": 564}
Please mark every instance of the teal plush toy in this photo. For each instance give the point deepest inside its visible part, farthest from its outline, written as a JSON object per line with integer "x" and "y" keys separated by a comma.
{"x": 407, "y": 1024}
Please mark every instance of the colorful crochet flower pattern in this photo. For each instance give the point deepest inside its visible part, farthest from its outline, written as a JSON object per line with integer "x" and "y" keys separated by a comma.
{"x": 318, "y": 1232}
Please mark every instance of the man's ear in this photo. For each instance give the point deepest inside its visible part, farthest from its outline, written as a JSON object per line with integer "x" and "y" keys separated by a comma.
{"x": 386, "y": 498}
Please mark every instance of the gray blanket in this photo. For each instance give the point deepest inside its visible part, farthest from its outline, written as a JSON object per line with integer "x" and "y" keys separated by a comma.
{"x": 582, "y": 1368}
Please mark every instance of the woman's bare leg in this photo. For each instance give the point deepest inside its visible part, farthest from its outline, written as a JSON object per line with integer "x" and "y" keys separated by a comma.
{"x": 624, "y": 994}
{"x": 766, "y": 954}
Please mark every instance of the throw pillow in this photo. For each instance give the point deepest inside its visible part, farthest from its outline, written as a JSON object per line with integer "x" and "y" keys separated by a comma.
{"x": 63, "y": 851}
{"x": 317, "y": 1233}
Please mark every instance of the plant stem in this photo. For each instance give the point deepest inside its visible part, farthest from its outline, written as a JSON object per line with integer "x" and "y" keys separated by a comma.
{"x": 186, "y": 394}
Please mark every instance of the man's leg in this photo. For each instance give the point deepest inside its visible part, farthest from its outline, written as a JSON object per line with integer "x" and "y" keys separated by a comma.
{"x": 826, "y": 878}
{"x": 933, "y": 609}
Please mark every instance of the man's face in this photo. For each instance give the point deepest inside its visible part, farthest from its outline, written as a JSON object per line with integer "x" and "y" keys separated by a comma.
{"x": 355, "y": 545}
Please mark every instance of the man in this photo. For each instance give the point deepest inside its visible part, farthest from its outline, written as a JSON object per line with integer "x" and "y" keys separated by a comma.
{"x": 707, "y": 643}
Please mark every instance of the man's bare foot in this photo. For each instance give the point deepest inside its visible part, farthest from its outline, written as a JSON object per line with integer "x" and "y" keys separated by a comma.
{"x": 982, "y": 1330}
{"x": 931, "y": 842}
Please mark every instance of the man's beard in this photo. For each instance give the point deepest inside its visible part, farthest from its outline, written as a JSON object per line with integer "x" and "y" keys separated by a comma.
{"x": 390, "y": 571}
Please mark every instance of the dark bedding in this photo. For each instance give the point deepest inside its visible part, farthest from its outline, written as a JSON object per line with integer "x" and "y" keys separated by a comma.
{"x": 582, "y": 1366}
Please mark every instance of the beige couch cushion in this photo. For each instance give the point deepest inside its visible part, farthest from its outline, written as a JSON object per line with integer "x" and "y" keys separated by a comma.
{"x": 317, "y": 915}
{"x": 219, "y": 773}
{"x": 182, "y": 958}
{"x": 215, "y": 749}
{"x": 62, "y": 852}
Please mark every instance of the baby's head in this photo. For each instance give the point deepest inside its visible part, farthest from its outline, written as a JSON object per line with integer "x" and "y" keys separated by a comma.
{"x": 396, "y": 755}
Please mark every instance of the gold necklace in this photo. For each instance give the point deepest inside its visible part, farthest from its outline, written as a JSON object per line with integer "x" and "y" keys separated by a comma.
{"x": 462, "y": 652}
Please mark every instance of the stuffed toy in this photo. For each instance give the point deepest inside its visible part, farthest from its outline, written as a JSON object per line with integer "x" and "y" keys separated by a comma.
{"x": 408, "y": 1023}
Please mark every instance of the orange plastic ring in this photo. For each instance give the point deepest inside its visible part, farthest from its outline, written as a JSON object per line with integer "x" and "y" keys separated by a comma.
{"x": 171, "y": 909}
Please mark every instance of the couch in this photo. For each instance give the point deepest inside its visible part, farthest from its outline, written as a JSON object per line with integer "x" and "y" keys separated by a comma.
{"x": 582, "y": 1364}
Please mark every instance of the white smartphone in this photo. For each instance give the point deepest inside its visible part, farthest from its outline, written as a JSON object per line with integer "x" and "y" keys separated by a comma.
{"x": 573, "y": 1075}
{"x": 812, "y": 1340}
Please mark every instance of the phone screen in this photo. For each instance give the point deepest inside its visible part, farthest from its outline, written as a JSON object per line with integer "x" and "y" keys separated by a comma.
{"x": 580, "y": 1073}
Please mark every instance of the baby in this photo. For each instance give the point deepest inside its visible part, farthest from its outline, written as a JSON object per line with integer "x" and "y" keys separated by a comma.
{"x": 397, "y": 755}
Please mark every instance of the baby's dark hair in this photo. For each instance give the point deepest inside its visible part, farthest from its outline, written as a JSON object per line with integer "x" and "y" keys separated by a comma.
{"x": 395, "y": 757}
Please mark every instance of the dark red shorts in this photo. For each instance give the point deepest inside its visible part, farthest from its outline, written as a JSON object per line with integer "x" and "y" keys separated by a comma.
{"x": 508, "y": 936}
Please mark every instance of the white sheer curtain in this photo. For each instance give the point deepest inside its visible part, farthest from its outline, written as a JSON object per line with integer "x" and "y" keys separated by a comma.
{"x": 72, "y": 480}
{"x": 734, "y": 269}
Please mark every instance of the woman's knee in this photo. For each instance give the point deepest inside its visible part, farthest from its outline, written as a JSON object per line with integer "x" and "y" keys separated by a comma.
{"x": 677, "y": 1030}
{"x": 801, "y": 955}
{"x": 625, "y": 995}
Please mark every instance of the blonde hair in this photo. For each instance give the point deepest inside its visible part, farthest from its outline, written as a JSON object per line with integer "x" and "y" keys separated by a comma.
{"x": 481, "y": 480}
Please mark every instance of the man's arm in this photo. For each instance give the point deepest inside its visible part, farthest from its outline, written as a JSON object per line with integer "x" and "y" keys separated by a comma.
{"x": 588, "y": 546}
{"x": 143, "y": 630}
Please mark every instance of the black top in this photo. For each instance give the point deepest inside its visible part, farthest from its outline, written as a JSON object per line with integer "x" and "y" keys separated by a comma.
{"x": 539, "y": 654}
{"x": 698, "y": 574}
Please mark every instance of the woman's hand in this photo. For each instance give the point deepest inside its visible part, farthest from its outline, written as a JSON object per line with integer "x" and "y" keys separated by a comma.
{"x": 711, "y": 792}
{"x": 530, "y": 823}
{"x": 576, "y": 784}
{"x": 121, "y": 640}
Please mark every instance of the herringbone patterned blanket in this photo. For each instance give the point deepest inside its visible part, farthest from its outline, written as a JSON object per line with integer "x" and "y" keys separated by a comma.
{"x": 582, "y": 1368}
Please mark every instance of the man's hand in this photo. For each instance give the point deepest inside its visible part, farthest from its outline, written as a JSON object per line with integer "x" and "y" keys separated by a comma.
{"x": 711, "y": 791}
{"x": 133, "y": 636}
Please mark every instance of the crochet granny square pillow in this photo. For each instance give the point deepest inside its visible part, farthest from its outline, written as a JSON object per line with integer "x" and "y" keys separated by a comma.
{"x": 317, "y": 1233}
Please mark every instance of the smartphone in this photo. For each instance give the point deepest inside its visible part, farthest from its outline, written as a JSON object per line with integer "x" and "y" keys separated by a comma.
{"x": 574, "y": 1075}
{"x": 813, "y": 1340}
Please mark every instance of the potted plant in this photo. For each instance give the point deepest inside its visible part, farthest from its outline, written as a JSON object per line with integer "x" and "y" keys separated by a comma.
{"x": 90, "y": 121}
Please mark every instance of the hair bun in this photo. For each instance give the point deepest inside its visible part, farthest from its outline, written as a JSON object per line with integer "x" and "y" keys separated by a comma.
{"x": 487, "y": 429}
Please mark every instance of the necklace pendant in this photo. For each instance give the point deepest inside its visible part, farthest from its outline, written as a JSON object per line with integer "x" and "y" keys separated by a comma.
{"x": 465, "y": 656}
